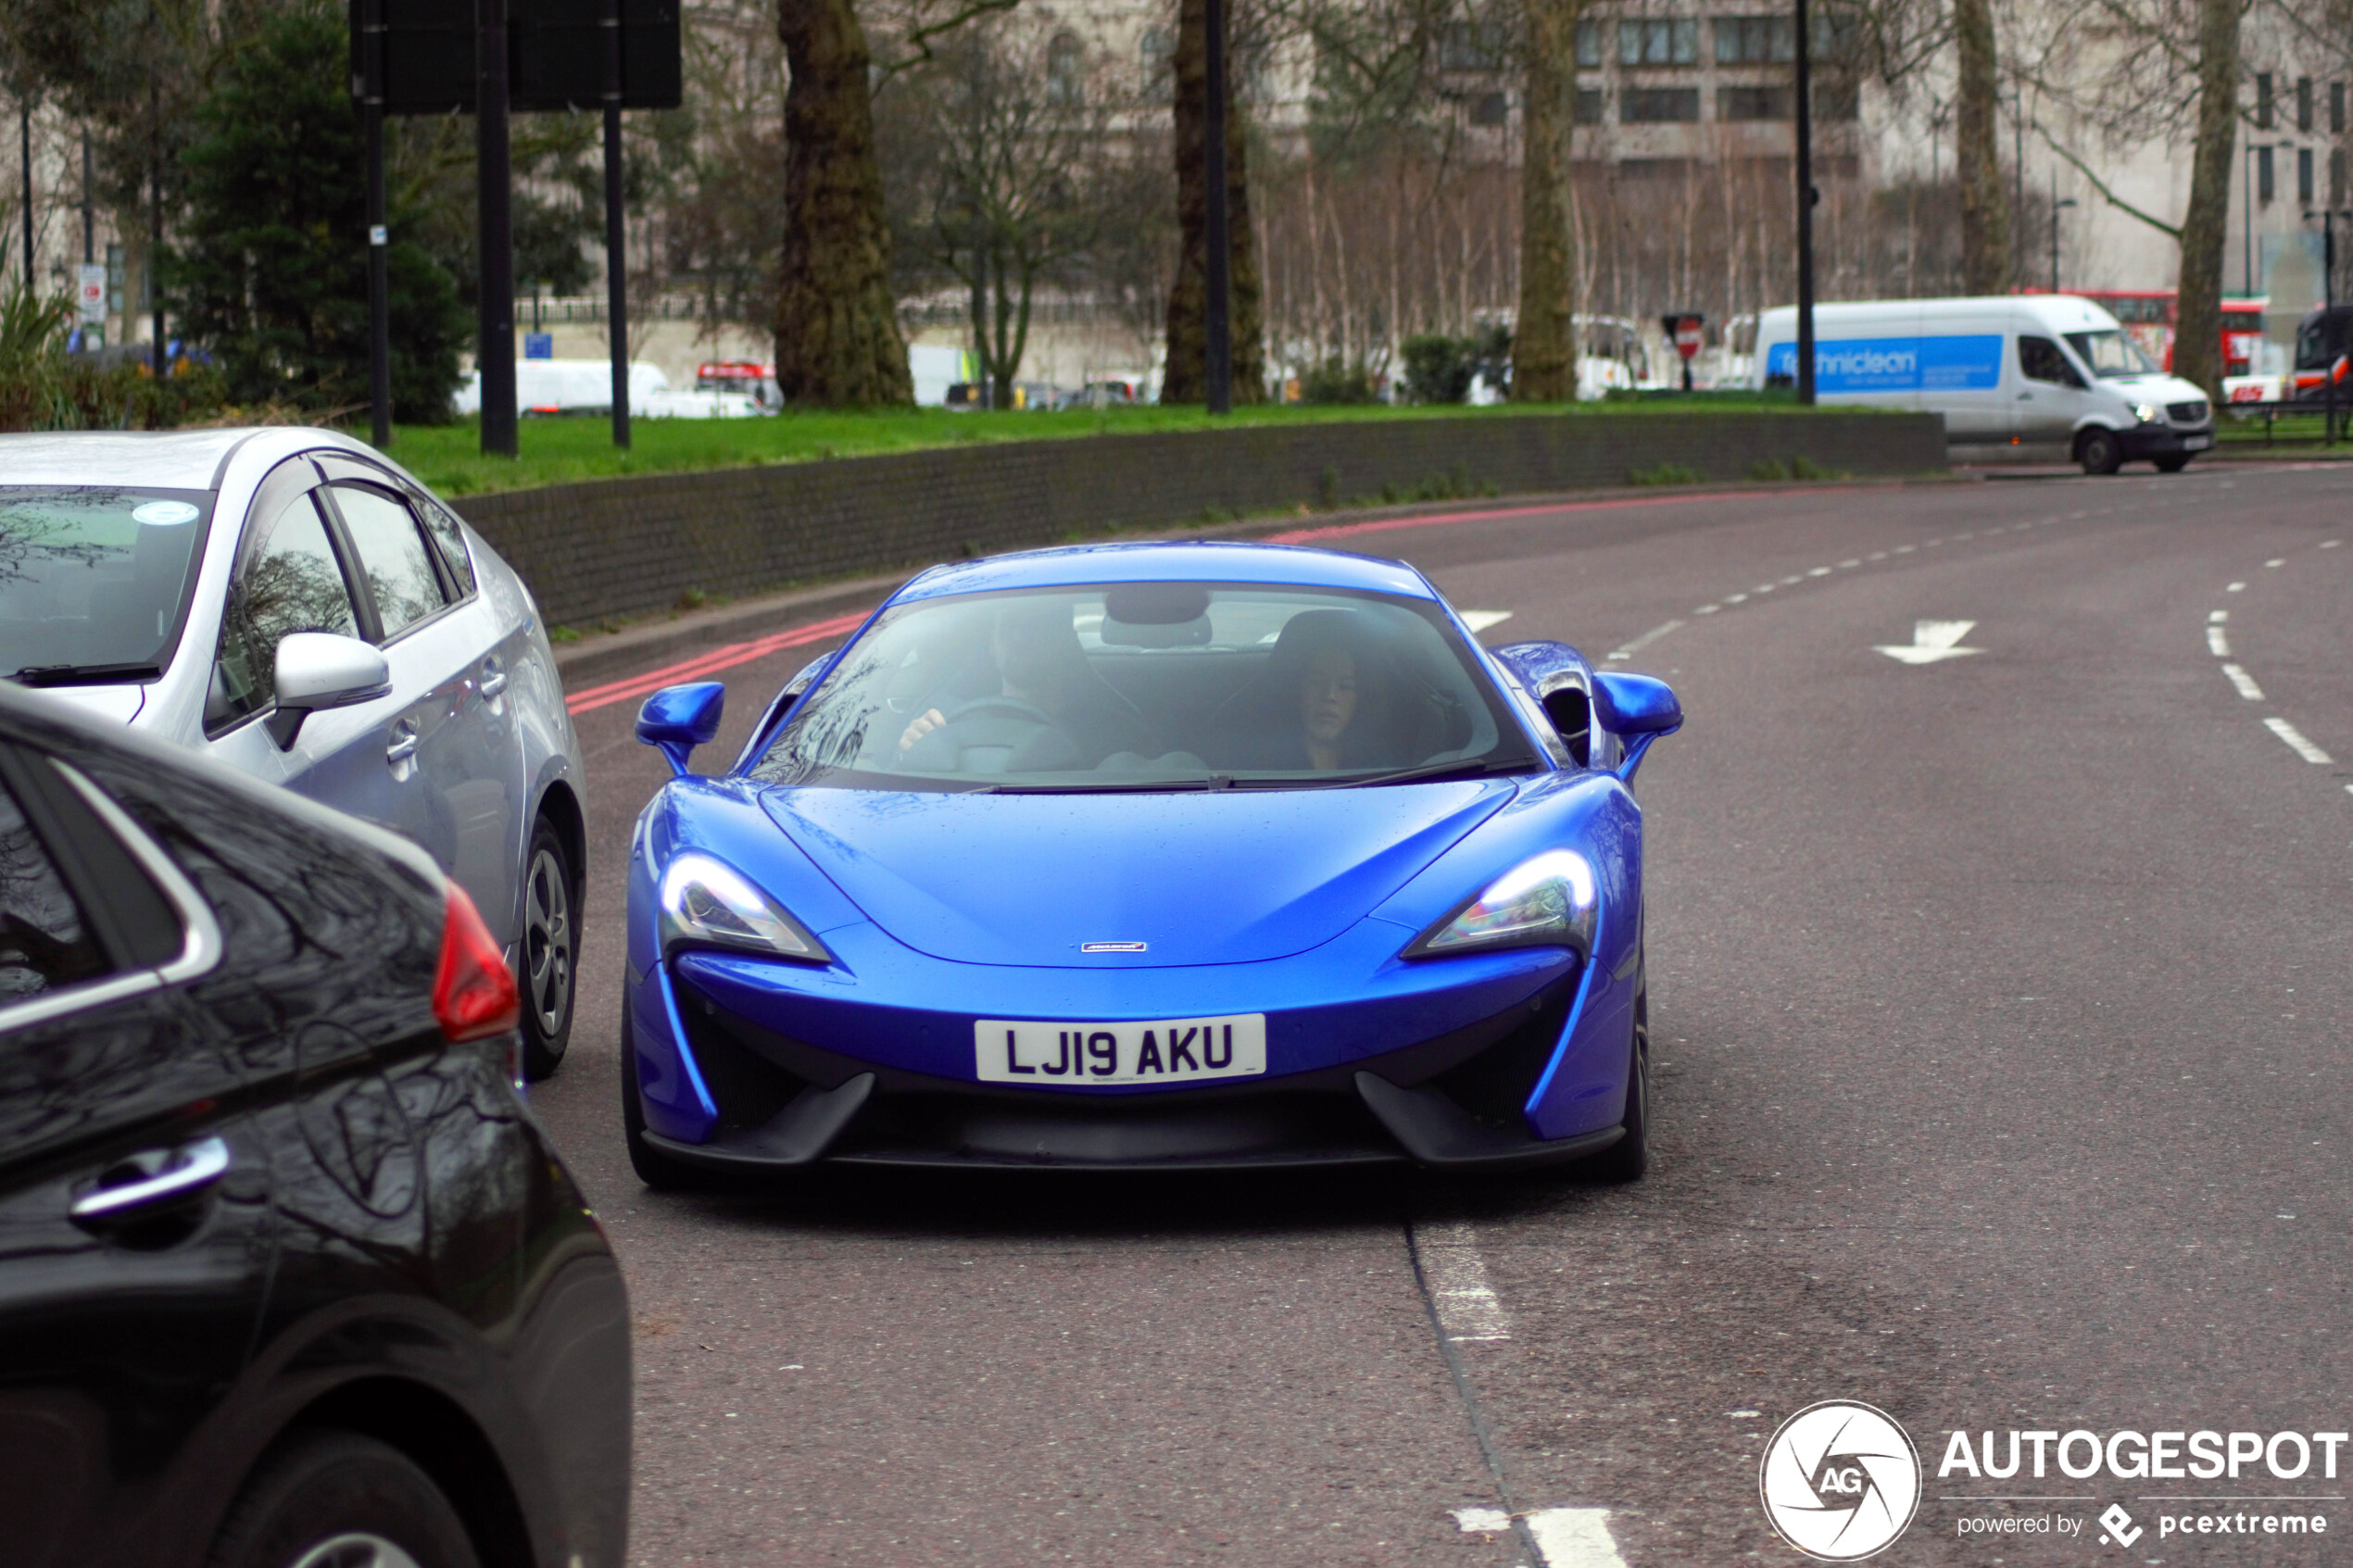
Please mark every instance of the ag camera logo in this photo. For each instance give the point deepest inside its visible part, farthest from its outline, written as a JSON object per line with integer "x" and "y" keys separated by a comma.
{"x": 1840, "y": 1480}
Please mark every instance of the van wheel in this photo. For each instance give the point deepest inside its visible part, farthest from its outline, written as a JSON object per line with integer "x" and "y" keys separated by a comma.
{"x": 2099, "y": 451}
{"x": 2174, "y": 464}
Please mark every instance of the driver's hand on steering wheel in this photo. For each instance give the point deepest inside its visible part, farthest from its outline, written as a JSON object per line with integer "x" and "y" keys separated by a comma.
{"x": 930, "y": 720}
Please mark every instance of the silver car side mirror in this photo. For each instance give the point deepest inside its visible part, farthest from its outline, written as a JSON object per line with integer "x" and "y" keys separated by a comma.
{"x": 320, "y": 669}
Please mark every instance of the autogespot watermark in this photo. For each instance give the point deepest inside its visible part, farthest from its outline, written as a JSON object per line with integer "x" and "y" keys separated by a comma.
{"x": 2269, "y": 1484}
{"x": 1842, "y": 1481}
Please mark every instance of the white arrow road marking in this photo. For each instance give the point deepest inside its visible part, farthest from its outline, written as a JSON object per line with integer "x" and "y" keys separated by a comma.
{"x": 2243, "y": 681}
{"x": 2295, "y": 741}
{"x": 1565, "y": 1537}
{"x": 1931, "y": 640}
{"x": 1481, "y": 620}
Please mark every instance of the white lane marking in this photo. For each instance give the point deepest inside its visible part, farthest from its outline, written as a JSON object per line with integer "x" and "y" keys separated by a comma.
{"x": 1876, "y": 555}
{"x": 1762, "y": 588}
{"x": 1481, "y": 620}
{"x": 1574, "y": 1537}
{"x": 1819, "y": 571}
{"x": 2217, "y": 643}
{"x": 2295, "y": 741}
{"x": 2244, "y": 681}
{"x": 2276, "y": 560}
{"x": 1792, "y": 581}
{"x": 2236, "y": 588}
{"x": 1735, "y": 598}
{"x": 1627, "y": 650}
{"x": 1904, "y": 550}
{"x": 1468, "y": 1309}
{"x": 1708, "y": 609}
{"x": 1932, "y": 641}
{"x": 1850, "y": 564}
{"x": 2331, "y": 544}
{"x": 2218, "y": 616}
{"x": 1478, "y": 1520}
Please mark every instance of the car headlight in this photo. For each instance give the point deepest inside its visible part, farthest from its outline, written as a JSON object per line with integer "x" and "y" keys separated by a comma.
{"x": 1548, "y": 901}
{"x": 2145, "y": 412}
{"x": 710, "y": 904}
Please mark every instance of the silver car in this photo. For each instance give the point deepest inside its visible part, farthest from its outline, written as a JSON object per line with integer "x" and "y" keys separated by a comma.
{"x": 290, "y": 603}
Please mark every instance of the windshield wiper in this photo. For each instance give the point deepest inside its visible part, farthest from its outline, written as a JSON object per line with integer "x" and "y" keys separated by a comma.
{"x": 1461, "y": 767}
{"x": 1106, "y": 786}
{"x": 82, "y": 674}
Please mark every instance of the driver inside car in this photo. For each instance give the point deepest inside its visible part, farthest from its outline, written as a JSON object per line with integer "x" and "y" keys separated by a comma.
{"x": 1041, "y": 676}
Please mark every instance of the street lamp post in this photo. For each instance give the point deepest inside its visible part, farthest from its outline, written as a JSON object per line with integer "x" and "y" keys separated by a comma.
{"x": 1805, "y": 197}
{"x": 2056, "y": 204}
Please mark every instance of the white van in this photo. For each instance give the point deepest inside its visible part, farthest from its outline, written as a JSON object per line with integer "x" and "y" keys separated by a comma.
{"x": 2023, "y": 375}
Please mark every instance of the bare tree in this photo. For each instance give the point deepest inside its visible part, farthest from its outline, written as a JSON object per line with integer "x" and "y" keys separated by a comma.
{"x": 1545, "y": 346}
{"x": 1185, "y": 377}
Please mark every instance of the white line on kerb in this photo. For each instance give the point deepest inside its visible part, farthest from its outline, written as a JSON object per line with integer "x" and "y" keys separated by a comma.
{"x": 2217, "y": 643}
{"x": 2242, "y": 680}
{"x": 1468, "y": 1309}
{"x": 2295, "y": 741}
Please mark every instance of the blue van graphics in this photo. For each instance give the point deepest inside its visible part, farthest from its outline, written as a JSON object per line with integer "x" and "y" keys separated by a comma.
{"x": 1897, "y": 363}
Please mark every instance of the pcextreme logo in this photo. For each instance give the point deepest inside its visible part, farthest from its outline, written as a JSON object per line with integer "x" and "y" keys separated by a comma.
{"x": 1840, "y": 1481}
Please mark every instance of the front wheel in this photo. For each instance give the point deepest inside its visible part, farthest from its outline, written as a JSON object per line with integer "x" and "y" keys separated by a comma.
{"x": 337, "y": 1500}
{"x": 550, "y": 950}
{"x": 1630, "y": 1158}
{"x": 2099, "y": 451}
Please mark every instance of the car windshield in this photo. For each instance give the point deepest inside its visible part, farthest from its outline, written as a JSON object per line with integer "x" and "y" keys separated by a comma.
{"x": 1150, "y": 685}
{"x": 2110, "y": 354}
{"x": 94, "y": 580}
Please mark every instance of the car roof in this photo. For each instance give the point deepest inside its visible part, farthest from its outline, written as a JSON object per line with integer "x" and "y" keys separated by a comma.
{"x": 163, "y": 459}
{"x": 1192, "y": 561}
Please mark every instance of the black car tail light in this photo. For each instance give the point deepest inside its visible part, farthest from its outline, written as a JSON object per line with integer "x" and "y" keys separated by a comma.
{"x": 473, "y": 993}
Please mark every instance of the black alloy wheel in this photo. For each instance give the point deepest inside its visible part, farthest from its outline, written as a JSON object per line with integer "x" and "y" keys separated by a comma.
{"x": 1630, "y": 1158}
{"x": 550, "y": 951}
{"x": 2099, "y": 451}
{"x": 337, "y": 1500}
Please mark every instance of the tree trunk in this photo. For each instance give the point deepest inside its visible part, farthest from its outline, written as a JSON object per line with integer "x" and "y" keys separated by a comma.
{"x": 2197, "y": 332}
{"x": 1986, "y": 211}
{"x": 837, "y": 343}
{"x": 1544, "y": 344}
{"x": 1184, "y": 379}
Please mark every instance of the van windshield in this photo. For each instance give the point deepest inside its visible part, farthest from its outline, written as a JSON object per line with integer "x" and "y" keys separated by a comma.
{"x": 2110, "y": 354}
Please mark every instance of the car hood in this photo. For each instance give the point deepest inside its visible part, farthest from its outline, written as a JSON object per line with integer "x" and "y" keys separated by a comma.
{"x": 117, "y": 703}
{"x": 1234, "y": 876}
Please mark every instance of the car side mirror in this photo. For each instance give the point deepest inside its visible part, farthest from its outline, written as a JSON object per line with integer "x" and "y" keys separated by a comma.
{"x": 675, "y": 720}
{"x": 1636, "y": 709}
{"x": 318, "y": 669}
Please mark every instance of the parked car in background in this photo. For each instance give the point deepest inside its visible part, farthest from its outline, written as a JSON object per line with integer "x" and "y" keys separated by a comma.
{"x": 290, "y": 604}
{"x": 289, "y": 1276}
{"x": 742, "y": 378}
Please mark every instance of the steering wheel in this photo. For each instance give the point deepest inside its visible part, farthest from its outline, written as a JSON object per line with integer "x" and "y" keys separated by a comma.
{"x": 1003, "y": 708}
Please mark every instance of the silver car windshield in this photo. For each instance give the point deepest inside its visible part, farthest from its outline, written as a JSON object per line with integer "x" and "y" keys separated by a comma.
{"x": 94, "y": 580}
{"x": 2110, "y": 354}
{"x": 1150, "y": 685}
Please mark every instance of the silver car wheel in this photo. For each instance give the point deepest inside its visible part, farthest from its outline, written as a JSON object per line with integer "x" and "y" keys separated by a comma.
{"x": 547, "y": 937}
{"x": 358, "y": 1549}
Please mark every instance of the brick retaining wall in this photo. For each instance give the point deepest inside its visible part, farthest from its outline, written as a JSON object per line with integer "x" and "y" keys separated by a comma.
{"x": 620, "y": 548}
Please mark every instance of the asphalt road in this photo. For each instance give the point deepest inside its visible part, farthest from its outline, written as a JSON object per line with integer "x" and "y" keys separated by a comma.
{"x": 1999, "y": 1004}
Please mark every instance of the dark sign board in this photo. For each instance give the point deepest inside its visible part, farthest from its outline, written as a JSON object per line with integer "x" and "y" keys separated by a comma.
{"x": 555, "y": 55}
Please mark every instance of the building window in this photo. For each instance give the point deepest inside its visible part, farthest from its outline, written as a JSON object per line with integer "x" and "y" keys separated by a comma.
{"x": 1159, "y": 50}
{"x": 1065, "y": 83}
{"x": 1659, "y": 106}
{"x": 2304, "y": 103}
{"x": 2336, "y": 176}
{"x": 1658, "y": 42}
{"x": 2262, "y": 100}
{"x": 1472, "y": 46}
{"x": 1750, "y": 41}
{"x": 2336, "y": 108}
{"x": 2303, "y": 176}
{"x": 1589, "y": 44}
{"x": 1753, "y": 102}
{"x": 1490, "y": 109}
{"x": 2263, "y": 174}
{"x": 1837, "y": 100}
{"x": 1589, "y": 105}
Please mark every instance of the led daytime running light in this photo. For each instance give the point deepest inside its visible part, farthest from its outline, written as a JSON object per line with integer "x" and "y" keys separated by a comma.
{"x": 706, "y": 903}
{"x": 1546, "y": 901}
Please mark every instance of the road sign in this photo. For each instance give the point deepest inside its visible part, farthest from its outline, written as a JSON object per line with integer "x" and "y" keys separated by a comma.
{"x": 555, "y": 55}
{"x": 539, "y": 345}
{"x": 1684, "y": 331}
{"x": 90, "y": 293}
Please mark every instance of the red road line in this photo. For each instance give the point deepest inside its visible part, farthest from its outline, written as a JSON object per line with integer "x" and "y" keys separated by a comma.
{"x": 726, "y": 657}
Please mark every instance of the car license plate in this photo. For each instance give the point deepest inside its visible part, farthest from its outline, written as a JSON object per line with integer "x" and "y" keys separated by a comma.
{"x": 1181, "y": 1051}
{"x": 2197, "y": 443}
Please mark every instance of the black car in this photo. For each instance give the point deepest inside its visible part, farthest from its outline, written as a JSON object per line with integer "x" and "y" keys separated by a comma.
{"x": 289, "y": 1276}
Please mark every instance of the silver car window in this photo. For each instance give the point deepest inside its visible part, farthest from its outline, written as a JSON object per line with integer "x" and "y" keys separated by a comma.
{"x": 290, "y": 580}
{"x": 94, "y": 579}
{"x": 392, "y": 556}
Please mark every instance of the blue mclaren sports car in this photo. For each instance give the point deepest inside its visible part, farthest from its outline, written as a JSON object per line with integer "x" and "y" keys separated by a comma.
{"x": 1182, "y": 856}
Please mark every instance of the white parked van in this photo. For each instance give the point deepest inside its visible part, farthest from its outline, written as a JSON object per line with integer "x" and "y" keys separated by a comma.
{"x": 2032, "y": 374}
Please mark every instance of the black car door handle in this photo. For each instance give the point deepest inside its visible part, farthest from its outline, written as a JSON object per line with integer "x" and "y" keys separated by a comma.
{"x": 177, "y": 1177}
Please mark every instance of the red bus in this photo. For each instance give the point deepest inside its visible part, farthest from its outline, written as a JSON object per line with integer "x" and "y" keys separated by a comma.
{"x": 2147, "y": 317}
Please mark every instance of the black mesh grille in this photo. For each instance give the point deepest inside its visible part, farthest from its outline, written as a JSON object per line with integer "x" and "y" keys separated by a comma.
{"x": 2186, "y": 413}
